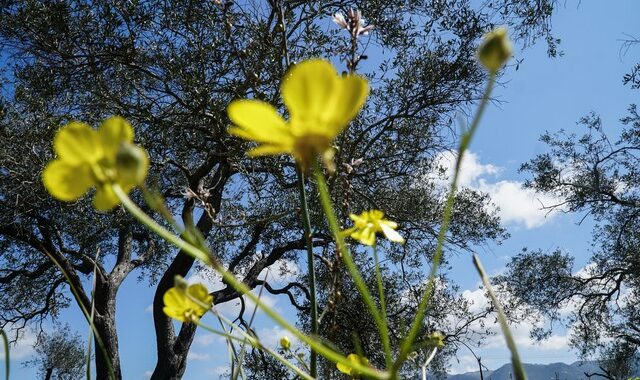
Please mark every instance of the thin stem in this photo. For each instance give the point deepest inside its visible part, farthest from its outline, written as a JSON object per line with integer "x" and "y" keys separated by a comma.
{"x": 518, "y": 369}
{"x": 76, "y": 295}
{"x": 383, "y": 305}
{"x": 7, "y": 360}
{"x": 240, "y": 287}
{"x": 256, "y": 343}
{"x": 306, "y": 223}
{"x": 465, "y": 140}
{"x": 327, "y": 206}
{"x": 426, "y": 362}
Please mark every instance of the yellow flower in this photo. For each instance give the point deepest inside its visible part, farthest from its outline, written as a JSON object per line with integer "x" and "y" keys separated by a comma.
{"x": 353, "y": 358}
{"x": 178, "y": 303}
{"x": 321, "y": 104}
{"x": 435, "y": 339}
{"x": 495, "y": 49}
{"x": 368, "y": 224}
{"x": 88, "y": 158}
{"x": 285, "y": 343}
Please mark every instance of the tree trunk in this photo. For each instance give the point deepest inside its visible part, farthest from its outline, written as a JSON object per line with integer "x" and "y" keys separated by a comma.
{"x": 172, "y": 349}
{"x": 47, "y": 375}
{"x": 105, "y": 323}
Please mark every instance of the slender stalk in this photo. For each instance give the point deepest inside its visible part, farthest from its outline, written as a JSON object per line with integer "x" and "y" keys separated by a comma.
{"x": 257, "y": 344}
{"x": 383, "y": 304}
{"x": 253, "y": 316}
{"x": 313, "y": 304}
{"x": 327, "y": 206}
{"x": 518, "y": 369}
{"x": 306, "y": 222}
{"x": 465, "y": 140}
{"x": 93, "y": 311}
{"x": 7, "y": 360}
{"x": 86, "y": 314}
{"x": 239, "y": 286}
{"x": 426, "y": 362}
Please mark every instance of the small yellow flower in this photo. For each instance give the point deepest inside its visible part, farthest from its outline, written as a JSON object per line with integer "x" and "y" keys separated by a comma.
{"x": 435, "y": 339}
{"x": 321, "y": 104}
{"x": 178, "y": 303}
{"x": 353, "y": 358}
{"x": 495, "y": 49}
{"x": 285, "y": 343}
{"x": 89, "y": 158}
{"x": 370, "y": 223}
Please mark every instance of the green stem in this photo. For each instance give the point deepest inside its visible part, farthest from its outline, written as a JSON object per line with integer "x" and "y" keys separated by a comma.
{"x": 86, "y": 314}
{"x": 240, "y": 287}
{"x": 306, "y": 223}
{"x": 7, "y": 361}
{"x": 256, "y": 343}
{"x": 518, "y": 369}
{"x": 465, "y": 140}
{"x": 327, "y": 206}
{"x": 383, "y": 305}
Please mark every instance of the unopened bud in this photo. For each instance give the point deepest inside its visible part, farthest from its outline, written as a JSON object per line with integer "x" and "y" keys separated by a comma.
{"x": 180, "y": 283}
{"x": 132, "y": 164}
{"x": 285, "y": 343}
{"x": 495, "y": 49}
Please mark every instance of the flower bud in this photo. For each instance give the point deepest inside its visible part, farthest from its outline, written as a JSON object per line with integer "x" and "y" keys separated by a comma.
{"x": 180, "y": 283}
{"x": 285, "y": 343}
{"x": 132, "y": 164}
{"x": 495, "y": 49}
{"x": 436, "y": 339}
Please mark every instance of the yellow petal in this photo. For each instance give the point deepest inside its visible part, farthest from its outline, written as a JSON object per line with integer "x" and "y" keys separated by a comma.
{"x": 268, "y": 150}
{"x": 389, "y": 223}
{"x": 174, "y": 302}
{"x": 65, "y": 181}
{"x": 200, "y": 293}
{"x": 391, "y": 234}
{"x": 359, "y": 220}
{"x": 355, "y": 359}
{"x": 173, "y": 313}
{"x": 374, "y": 215}
{"x": 319, "y": 100}
{"x": 105, "y": 199}
{"x": 77, "y": 143}
{"x": 354, "y": 92}
{"x": 114, "y": 131}
{"x": 309, "y": 91}
{"x": 366, "y": 236}
{"x": 258, "y": 121}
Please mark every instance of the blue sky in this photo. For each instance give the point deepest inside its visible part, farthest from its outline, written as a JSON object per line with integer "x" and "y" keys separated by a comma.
{"x": 544, "y": 94}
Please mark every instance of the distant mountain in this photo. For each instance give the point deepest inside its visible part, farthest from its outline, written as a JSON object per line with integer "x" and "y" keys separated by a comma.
{"x": 553, "y": 371}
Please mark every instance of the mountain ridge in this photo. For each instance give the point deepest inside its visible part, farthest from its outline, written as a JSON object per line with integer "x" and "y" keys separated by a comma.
{"x": 551, "y": 371}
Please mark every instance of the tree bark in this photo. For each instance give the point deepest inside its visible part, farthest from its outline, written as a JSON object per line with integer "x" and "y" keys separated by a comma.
{"x": 105, "y": 323}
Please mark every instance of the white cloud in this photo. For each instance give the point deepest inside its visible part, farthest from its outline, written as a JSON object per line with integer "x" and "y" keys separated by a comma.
{"x": 23, "y": 347}
{"x": 477, "y": 300}
{"x": 197, "y": 356}
{"x": 515, "y": 204}
{"x": 270, "y": 337}
{"x": 205, "y": 340}
{"x": 148, "y": 374}
{"x": 464, "y": 363}
{"x": 281, "y": 272}
{"x": 470, "y": 170}
{"x": 232, "y": 308}
{"x": 218, "y": 371}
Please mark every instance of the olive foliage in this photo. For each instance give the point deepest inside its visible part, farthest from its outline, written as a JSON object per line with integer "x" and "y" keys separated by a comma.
{"x": 171, "y": 68}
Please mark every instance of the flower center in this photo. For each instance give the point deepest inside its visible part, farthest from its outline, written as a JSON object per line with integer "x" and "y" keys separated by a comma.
{"x": 306, "y": 147}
